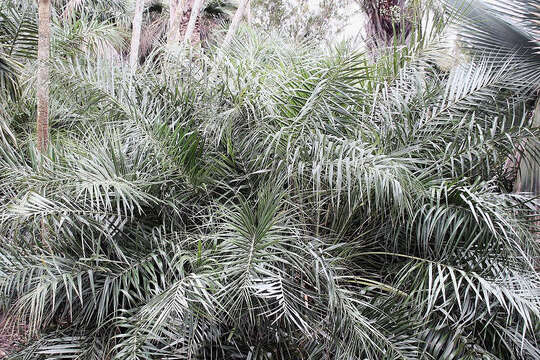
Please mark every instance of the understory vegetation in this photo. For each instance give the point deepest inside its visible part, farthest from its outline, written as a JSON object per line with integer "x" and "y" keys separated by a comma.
{"x": 269, "y": 200}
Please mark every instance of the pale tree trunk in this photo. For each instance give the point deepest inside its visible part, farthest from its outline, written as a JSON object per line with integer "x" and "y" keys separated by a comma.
{"x": 248, "y": 13}
{"x": 532, "y": 171}
{"x": 136, "y": 35}
{"x": 193, "y": 19}
{"x": 524, "y": 169}
{"x": 528, "y": 177}
{"x": 44, "y": 40}
{"x": 236, "y": 21}
{"x": 173, "y": 36}
{"x": 172, "y": 11}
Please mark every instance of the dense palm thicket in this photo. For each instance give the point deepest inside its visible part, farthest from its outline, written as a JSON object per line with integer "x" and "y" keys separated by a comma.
{"x": 265, "y": 201}
{"x": 507, "y": 33}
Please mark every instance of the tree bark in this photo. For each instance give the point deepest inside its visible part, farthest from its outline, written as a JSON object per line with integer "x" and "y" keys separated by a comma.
{"x": 248, "y": 13}
{"x": 136, "y": 35}
{"x": 172, "y": 11}
{"x": 193, "y": 20}
{"x": 44, "y": 41}
{"x": 528, "y": 176}
{"x": 385, "y": 24}
{"x": 173, "y": 36}
{"x": 236, "y": 21}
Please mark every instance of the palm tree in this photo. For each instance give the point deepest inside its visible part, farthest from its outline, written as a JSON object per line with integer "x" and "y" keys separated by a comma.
{"x": 507, "y": 34}
{"x": 173, "y": 36}
{"x": 208, "y": 14}
{"x": 44, "y": 7}
{"x": 136, "y": 35}
{"x": 19, "y": 39}
{"x": 105, "y": 10}
{"x": 18, "y": 43}
{"x": 172, "y": 11}
{"x": 248, "y": 15}
{"x": 236, "y": 21}
{"x": 195, "y": 10}
{"x": 388, "y": 21}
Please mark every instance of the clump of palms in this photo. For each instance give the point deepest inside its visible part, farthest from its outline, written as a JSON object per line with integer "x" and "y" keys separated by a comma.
{"x": 506, "y": 34}
{"x": 270, "y": 202}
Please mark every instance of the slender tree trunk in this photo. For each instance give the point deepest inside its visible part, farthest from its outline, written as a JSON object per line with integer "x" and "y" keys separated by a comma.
{"x": 528, "y": 176}
{"x": 173, "y": 36}
{"x": 535, "y": 171}
{"x": 236, "y": 21}
{"x": 44, "y": 40}
{"x": 136, "y": 35}
{"x": 524, "y": 170}
{"x": 248, "y": 13}
{"x": 197, "y": 5}
{"x": 172, "y": 11}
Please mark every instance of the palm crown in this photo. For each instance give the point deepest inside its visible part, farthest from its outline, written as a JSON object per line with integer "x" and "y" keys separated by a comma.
{"x": 508, "y": 34}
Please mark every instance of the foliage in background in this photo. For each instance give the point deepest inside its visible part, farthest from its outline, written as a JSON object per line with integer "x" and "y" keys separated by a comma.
{"x": 301, "y": 19}
{"x": 507, "y": 34}
{"x": 269, "y": 201}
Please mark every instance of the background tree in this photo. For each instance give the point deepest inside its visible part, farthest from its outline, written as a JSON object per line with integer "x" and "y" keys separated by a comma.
{"x": 44, "y": 41}
{"x": 238, "y": 16}
{"x": 303, "y": 19}
{"x": 388, "y": 20}
{"x": 136, "y": 34}
{"x": 195, "y": 10}
{"x": 177, "y": 13}
{"x": 172, "y": 11}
